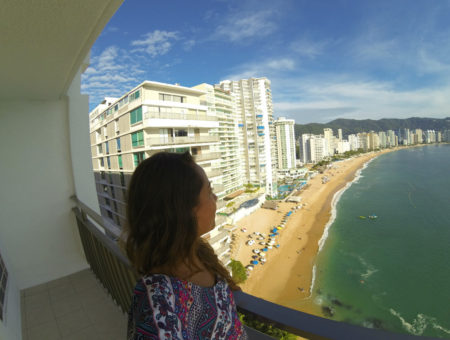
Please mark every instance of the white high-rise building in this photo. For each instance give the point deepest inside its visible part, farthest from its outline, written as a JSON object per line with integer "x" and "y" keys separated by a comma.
{"x": 221, "y": 104}
{"x": 353, "y": 141}
{"x": 257, "y": 145}
{"x": 284, "y": 129}
{"x": 383, "y": 139}
{"x": 392, "y": 138}
{"x": 152, "y": 117}
{"x": 313, "y": 148}
{"x": 340, "y": 134}
{"x": 328, "y": 135}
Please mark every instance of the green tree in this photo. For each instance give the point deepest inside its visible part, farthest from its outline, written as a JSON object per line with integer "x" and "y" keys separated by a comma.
{"x": 238, "y": 271}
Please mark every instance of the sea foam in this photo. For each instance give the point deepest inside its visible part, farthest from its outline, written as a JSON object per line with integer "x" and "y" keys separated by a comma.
{"x": 334, "y": 202}
{"x": 419, "y": 324}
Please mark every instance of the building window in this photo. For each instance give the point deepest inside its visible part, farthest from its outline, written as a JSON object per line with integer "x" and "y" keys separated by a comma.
{"x": 102, "y": 163}
{"x": 137, "y": 138}
{"x": 136, "y": 115}
{"x": 134, "y": 95}
{"x": 110, "y": 178}
{"x": 107, "y": 202}
{"x": 138, "y": 158}
{"x": 122, "y": 179}
{"x": 108, "y": 160}
{"x": 100, "y": 149}
{"x": 119, "y": 159}
{"x": 113, "y": 194}
{"x": 107, "y": 147}
{"x": 181, "y": 133}
{"x": 171, "y": 98}
{"x": 118, "y": 144}
{"x": 110, "y": 215}
{"x": 102, "y": 175}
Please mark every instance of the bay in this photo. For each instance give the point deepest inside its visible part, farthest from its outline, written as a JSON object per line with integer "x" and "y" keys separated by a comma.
{"x": 392, "y": 272}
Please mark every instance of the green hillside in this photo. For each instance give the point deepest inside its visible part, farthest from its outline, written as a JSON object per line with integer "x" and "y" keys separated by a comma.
{"x": 353, "y": 126}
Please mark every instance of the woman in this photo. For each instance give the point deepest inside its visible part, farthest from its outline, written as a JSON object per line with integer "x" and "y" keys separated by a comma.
{"x": 184, "y": 292}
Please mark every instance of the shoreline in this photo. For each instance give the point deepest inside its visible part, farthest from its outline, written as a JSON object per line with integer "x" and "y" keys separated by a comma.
{"x": 293, "y": 264}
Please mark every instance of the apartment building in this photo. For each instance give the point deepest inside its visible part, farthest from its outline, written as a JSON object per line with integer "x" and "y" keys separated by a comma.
{"x": 257, "y": 142}
{"x": 328, "y": 135}
{"x": 313, "y": 148}
{"x": 221, "y": 104}
{"x": 285, "y": 138}
{"x": 152, "y": 117}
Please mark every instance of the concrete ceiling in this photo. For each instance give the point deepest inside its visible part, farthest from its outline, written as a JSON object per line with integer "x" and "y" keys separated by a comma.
{"x": 44, "y": 42}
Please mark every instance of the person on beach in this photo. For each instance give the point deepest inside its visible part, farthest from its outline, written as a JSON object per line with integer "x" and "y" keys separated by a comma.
{"x": 184, "y": 291}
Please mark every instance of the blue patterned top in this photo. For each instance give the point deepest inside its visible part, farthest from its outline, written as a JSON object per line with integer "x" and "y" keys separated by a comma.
{"x": 164, "y": 307}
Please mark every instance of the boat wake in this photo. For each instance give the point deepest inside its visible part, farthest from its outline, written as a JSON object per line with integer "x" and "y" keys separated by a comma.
{"x": 420, "y": 323}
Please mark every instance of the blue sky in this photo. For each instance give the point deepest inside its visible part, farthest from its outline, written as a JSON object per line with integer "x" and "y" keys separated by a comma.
{"x": 326, "y": 59}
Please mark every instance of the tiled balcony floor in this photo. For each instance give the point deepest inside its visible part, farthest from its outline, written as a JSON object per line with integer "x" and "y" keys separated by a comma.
{"x": 75, "y": 307}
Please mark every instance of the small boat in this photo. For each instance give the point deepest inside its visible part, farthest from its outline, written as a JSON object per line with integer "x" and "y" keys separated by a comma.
{"x": 362, "y": 217}
{"x": 372, "y": 217}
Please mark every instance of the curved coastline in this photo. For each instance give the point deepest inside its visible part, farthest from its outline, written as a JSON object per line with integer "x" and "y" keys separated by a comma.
{"x": 335, "y": 200}
{"x": 293, "y": 264}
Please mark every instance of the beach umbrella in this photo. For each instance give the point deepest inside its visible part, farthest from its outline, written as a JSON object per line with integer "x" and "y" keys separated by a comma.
{"x": 254, "y": 256}
{"x": 265, "y": 249}
{"x": 274, "y": 230}
{"x": 278, "y": 246}
{"x": 254, "y": 262}
{"x": 279, "y": 228}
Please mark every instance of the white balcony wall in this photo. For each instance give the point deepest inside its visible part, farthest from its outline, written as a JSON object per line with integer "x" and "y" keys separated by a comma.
{"x": 38, "y": 231}
{"x": 80, "y": 148}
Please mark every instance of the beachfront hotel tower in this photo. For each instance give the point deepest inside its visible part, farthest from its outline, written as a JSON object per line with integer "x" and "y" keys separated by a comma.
{"x": 221, "y": 104}
{"x": 285, "y": 138}
{"x": 256, "y": 131}
{"x": 151, "y": 118}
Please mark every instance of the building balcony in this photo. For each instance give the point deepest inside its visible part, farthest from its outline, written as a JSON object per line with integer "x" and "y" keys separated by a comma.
{"x": 213, "y": 173}
{"x": 159, "y": 141}
{"x": 178, "y": 115}
{"x": 207, "y": 156}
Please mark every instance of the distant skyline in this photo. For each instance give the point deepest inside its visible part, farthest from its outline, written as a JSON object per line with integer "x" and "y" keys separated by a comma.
{"x": 325, "y": 59}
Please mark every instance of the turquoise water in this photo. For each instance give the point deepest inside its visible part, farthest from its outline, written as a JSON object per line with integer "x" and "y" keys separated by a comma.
{"x": 392, "y": 272}
{"x": 285, "y": 187}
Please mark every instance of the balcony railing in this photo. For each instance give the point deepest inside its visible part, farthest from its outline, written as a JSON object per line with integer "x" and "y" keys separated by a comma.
{"x": 207, "y": 156}
{"x": 178, "y": 115}
{"x": 113, "y": 270}
{"x": 157, "y": 141}
{"x": 213, "y": 173}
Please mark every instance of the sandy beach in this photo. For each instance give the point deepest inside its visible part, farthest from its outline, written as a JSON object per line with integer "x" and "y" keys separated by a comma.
{"x": 286, "y": 276}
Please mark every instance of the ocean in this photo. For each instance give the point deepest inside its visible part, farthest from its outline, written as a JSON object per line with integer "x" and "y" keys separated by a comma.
{"x": 391, "y": 272}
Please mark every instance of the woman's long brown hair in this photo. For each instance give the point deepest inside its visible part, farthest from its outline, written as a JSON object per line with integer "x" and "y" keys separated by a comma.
{"x": 161, "y": 229}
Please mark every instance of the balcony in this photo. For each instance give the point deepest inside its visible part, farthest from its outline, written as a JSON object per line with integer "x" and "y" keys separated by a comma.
{"x": 113, "y": 271}
{"x": 213, "y": 173}
{"x": 207, "y": 156}
{"x": 157, "y": 141}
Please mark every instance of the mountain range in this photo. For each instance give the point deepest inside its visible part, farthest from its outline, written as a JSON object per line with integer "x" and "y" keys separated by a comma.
{"x": 353, "y": 126}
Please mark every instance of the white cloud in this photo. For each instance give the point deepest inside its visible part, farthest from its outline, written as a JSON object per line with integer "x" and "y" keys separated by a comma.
{"x": 189, "y": 44}
{"x": 156, "y": 43}
{"x": 110, "y": 74}
{"x": 308, "y": 48}
{"x": 265, "y": 68}
{"x": 324, "y": 101}
{"x": 241, "y": 26}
